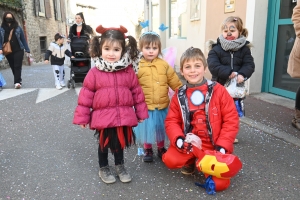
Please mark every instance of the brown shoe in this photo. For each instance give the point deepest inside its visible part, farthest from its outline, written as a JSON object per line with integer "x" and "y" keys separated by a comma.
{"x": 188, "y": 169}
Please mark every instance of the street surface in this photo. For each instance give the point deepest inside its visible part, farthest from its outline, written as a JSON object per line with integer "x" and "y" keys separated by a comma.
{"x": 43, "y": 156}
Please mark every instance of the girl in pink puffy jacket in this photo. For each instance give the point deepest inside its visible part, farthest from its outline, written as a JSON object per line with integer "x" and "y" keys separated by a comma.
{"x": 111, "y": 100}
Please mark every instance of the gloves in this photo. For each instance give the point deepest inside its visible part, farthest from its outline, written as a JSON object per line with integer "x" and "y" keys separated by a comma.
{"x": 221, "y": 149}
{"x": 183, "y": 146}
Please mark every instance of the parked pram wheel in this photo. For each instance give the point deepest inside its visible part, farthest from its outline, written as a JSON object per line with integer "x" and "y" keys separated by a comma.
{"x": 69, "y": 84}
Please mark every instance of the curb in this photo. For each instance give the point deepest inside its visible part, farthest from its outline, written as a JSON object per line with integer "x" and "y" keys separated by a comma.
{"x": 276, "y": 133}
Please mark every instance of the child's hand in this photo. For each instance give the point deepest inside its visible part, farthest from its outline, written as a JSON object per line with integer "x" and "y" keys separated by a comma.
{"x": 83, "y": 125}
{"x": 141, "y": 120}
{"x": 232, "y": 75}
{"x": 183, "y": 146}
{"x": 46, "y": 61}
{"x": 240, "y": 78}
{"x": 72, "y": 57}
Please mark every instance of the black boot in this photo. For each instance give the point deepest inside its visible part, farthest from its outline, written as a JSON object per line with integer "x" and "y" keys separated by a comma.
{"x": 148, "y": 156}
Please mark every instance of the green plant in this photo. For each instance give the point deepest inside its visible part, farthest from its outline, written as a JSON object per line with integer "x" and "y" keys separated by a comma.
{"x": 16, "y": 4}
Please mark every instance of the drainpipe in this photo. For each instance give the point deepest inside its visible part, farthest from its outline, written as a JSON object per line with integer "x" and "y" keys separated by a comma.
{"x": 25, "y": 32}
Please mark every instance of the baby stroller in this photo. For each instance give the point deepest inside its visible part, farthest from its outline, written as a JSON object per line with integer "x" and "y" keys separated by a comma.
{"x": 81, "y": 64}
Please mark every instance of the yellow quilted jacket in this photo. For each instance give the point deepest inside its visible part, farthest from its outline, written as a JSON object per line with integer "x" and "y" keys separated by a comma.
{"x": 155, "y": 78}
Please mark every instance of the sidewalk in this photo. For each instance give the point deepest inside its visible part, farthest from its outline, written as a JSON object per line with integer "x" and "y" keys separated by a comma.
{"x": 271, "y": 114}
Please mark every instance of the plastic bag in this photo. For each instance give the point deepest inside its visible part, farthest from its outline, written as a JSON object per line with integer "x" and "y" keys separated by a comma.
{"x": 2, "y": 81}
{"x": 236, "y": 90}
{"x": 194, "y": 140}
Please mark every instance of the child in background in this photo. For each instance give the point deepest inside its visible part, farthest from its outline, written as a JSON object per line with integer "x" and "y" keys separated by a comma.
{"x": 111, "y": 100}
{"x": 230, "y": 57}
{"x": 155, "y": 76}
{"x": 57, "y": 51}
{"x": 201, "y": 107}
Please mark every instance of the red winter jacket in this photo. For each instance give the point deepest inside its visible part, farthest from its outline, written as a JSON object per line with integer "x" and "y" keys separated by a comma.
{"x": 110, "y": 99}
{"x": 223, "y": 119}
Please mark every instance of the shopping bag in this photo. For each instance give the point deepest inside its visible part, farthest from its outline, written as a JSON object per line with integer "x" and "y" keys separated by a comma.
{"x": 236, "y": 90}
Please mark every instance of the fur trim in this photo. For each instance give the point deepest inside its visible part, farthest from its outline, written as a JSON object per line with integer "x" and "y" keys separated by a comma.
{"x": 209, "y": 44}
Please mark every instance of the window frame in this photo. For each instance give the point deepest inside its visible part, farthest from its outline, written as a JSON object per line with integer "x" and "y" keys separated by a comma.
{"x": 44, "y": 40}
{"x": 171, "y": 21}
{"x": 57, "y": 10}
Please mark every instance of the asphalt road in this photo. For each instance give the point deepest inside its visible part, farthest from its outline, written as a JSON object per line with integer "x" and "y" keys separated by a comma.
{"x": 44, "y": 156}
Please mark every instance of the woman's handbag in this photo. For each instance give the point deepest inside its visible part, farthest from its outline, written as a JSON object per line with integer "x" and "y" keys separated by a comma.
{"x": 294, "y": 60}
{"x": 6, "y": 48}
{"x": 236, "y": 90}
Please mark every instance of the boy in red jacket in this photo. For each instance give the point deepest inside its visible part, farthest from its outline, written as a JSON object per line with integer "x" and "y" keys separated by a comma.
{"x": 201, "y": 107}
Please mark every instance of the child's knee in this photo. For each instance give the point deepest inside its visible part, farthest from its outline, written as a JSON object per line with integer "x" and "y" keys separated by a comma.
{"x": 221, "y": 184}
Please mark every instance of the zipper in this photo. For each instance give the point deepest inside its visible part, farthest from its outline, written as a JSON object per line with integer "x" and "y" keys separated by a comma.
{"x": 231, "y": 62}
{"x": 117, "y": 99}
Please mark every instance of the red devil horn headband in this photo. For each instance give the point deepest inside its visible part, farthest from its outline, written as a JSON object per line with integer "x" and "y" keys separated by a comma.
{"x": 100, "y": 29}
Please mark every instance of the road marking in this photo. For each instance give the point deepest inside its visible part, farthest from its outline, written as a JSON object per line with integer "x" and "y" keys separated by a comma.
{"x": 47, "y": 93}
{"x": 9, "y": 93}
{"x": 43, "y": 93}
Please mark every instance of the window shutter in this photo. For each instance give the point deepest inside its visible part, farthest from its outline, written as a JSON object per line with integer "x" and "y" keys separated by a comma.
{"x": 37, "y": 7}
{"x": 47, "y": 9}
{"x": 63, "y": 10}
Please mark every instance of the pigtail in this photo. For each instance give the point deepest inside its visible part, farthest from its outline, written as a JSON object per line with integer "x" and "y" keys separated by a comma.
{"x": 244, "y": 32}
{"x": 95, "y": 47}
{"x": 132, "y": 46}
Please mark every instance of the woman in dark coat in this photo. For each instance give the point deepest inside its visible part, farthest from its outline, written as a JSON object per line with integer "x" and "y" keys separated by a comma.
{"x": 79, "y": 35}
{"x": 18, "y": 45}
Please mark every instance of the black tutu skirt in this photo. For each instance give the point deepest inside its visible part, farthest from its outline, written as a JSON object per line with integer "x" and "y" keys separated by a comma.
{"x": 115, "y": 138}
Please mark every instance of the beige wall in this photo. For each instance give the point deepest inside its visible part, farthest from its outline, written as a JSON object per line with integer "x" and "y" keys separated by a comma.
{"x": 252, "y": 12}
{"x": 215, "y": 16}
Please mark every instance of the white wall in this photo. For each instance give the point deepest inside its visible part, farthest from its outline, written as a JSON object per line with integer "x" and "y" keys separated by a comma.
{"x": 195, "y": 33}
{"x": 256, "y": 22}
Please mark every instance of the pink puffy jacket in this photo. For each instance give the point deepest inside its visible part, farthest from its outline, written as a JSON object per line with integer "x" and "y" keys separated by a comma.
{"x": 110, "y": 99}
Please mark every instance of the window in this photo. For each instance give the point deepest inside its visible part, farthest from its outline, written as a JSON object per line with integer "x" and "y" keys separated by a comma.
{"x": 57, "y": 9}
{"x": 43, "y": 44}
{"x": 42, "y": 8}
{"x": 179, "y": 19}
{"x": 155, "y": 16}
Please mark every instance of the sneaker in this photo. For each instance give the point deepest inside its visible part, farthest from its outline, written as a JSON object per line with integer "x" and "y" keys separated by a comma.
{"x": 148, "y": 156}
{"x": 106, "y": 175}
{"x": 188, "y": 169}
{"x": 18, "y": 86}
{"x": 161, "y": 152}
{"x": 58, "y": 87}
{"x": 62, "y": 84}
{"x": 123, "y": 174}
{"x": 235, "y": 141}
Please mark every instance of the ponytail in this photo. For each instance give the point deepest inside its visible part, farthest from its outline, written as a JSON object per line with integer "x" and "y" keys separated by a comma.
{"x": 244, "y": 32}
{"x": 132, "y": 46}
{"x": 95, "y": 49}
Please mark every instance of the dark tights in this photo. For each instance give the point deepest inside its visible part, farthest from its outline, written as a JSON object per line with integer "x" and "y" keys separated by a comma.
{"x": 297, "y": 101}
{"x": 103, "y": 157}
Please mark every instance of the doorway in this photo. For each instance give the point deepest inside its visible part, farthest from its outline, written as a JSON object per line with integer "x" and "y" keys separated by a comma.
{"x": 279, "y": 42}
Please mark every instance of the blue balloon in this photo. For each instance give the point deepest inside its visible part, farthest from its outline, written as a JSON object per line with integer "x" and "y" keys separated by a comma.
{"x": 162, "y": 27}
{"x": 144, "y": 24}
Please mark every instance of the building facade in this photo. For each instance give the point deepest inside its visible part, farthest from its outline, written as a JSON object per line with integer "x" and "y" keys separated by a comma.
{"x": 193, "y": 22}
